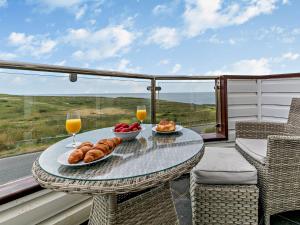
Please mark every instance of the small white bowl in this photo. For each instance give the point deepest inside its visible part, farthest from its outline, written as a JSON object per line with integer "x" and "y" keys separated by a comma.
{"x": 127, "y": 136}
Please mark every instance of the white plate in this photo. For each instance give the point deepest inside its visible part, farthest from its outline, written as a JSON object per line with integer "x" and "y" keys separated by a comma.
{"x": 63, "y": 159}
{"x": 178, "y": 128}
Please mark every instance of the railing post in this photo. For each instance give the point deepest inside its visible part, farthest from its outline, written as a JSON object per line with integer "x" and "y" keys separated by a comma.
{"x": 153, "y": 101}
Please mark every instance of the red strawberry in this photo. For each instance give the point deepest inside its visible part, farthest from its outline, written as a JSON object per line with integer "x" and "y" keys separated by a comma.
{"x": 131, "y": 127}
{"x": 125, "y": 130}
{"x": 134, "y": 129}
{"x": 135, "y": 124}
{"x": 119, "y": 125}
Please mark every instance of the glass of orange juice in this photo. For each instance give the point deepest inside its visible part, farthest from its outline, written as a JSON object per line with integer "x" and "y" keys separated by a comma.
{"x": 141, "y": 113}
{"x": 73, "y": 126}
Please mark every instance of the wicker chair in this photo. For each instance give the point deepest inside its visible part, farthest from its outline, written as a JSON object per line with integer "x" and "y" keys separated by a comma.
{"x": 279, "y": 172}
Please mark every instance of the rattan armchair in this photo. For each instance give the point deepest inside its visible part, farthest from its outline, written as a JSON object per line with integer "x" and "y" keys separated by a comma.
{"x": 279, "y": 175}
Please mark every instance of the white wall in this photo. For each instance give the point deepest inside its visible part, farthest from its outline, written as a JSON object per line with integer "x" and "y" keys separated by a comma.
{"x": 260, "y": 100}
{"x": 242, "y": 103}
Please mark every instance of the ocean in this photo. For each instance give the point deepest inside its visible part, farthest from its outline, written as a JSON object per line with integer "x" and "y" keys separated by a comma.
{"x": 198, "y": 98}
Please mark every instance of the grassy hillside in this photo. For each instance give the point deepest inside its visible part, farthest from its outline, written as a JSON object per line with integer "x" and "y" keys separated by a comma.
{"x": 31, "y": 123}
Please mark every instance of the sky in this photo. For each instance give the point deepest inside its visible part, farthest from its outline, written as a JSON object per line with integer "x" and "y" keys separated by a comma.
{"x": 171, "y": 37}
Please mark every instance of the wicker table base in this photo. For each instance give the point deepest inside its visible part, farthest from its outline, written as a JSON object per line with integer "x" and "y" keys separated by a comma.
{"x": 153, "y": 207}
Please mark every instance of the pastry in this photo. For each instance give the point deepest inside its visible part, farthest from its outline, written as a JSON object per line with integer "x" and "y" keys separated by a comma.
{"x": 76, "y": 156}
{"x": 119, "y": 140}
{"x": 104, "y": 148}
{"x": 86, "y": 143}
{"x": 166, "y": 126}
{"x": 108, "y": 142}
{"x": 89, "y": 152}
{"x": 86, "y": 148}
{"x": 93, "y": 155}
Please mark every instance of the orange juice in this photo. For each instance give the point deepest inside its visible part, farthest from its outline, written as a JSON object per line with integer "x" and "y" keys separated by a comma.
{"x": 141, "y": 114}
{"x": 73, "y": 126}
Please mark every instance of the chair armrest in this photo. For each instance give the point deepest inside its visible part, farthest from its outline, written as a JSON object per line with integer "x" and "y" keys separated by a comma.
{"x": 282, "y": 162}
{"x": 258, "y": 130}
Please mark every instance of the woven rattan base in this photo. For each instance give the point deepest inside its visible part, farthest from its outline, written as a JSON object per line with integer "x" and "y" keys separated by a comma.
{"x": 224, "y": 204}
{"x": 154, "y": 207}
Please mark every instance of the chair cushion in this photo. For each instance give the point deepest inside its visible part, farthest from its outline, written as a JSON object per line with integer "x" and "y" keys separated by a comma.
{"x": 256, "y": 148}
{"x": 224, "y": 166}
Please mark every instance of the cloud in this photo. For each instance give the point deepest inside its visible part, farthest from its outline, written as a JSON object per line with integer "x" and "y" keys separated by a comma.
{"x": 290, "y": 56}
{"x": 285, "y": 2}
{"x": 125, "y": 66}
{"x": 282, "y": 34}
{"x": 176, "y": 68}
{"x": 200, "y": 15}
{"x": 30, "y": 44}
{"x": 166, "y": 37}
{"x": 53, "y": 4}
{"x": 77, "y": 7}
{"x": 7, "y": 56}
{"x": 161, "y": 9}
{"x": 81, "y": 11}
{"x": 246, "y": 67}
{"x": 164, "y": 62}
{"x": 60, "y": 63}
{"x": 108, "y": 42}
{"x": 3, "y": 3}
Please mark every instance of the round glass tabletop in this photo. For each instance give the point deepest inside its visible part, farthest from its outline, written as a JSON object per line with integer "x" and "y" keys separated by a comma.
{"x": 149, "y": 153}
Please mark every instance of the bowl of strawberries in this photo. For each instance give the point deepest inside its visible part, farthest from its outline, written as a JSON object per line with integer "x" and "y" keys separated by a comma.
{"x": 127, "y": 131}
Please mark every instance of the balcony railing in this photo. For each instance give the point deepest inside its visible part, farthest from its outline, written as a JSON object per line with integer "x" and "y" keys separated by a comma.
{"x": 35, "y": 122}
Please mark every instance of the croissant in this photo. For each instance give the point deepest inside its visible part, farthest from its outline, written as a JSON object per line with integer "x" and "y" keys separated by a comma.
{"x": 76, "y": 156}
{"x": 93, "y": 155}
{"x": 86, "y": 143}
{"x": 117, "y": 140}
{"x": 86, "y": 148}
{"x": 104, "y": 148}
{"x": 108, "y": 142}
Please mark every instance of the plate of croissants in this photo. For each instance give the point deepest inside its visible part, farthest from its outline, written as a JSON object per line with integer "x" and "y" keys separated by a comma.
{"x": 88, "y": 153}
{"x": 167, "y": 127}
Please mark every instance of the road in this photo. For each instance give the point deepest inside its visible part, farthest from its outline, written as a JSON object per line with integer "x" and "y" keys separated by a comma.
{"x": 13, "y": 168}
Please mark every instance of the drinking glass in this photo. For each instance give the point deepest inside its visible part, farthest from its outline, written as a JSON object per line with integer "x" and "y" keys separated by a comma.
{"x": 141, "y": 113}
{"x": 73, "y": 126}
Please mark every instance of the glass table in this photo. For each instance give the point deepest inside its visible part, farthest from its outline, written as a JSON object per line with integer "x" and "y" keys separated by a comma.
{"x": 133, "y": 185}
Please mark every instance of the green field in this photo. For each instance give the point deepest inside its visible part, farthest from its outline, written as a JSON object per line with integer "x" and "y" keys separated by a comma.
{"x": 31, "y": 123}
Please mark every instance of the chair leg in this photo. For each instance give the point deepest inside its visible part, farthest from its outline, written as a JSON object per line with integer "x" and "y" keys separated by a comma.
{"x": 267, "y": 219}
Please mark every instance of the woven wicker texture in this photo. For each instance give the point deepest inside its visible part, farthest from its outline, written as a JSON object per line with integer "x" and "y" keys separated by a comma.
{"x": 224, "y": 204}
{"x": 152, "y": 207}
{"x": 279, "y": 178}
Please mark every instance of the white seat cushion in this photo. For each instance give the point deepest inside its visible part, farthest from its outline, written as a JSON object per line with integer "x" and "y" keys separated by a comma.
{"x": 224, "y": 166}
{"x": 256, "y": 148}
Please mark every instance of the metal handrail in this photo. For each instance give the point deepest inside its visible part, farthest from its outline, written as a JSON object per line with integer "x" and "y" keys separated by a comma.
{"x": 69, "y": 70}
{"x": 76, "y": 70}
